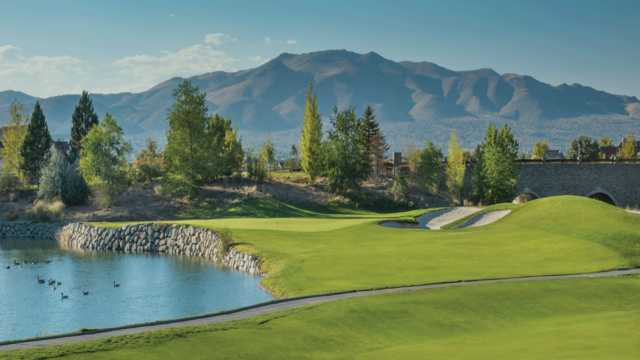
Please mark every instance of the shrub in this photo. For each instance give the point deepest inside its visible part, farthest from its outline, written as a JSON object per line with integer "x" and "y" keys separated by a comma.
{"x": 46, "y": 211}
{"x": 148, "y": 165}
{"x": 399, "y": 189}
{"x": 51, "y": 176}
{"x": 74, "y": 190}
{"x": 62, "y": 180}
{"x": 9, "y": 183}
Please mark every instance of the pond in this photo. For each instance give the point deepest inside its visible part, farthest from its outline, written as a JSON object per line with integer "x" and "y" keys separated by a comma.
{"x": 107, "y": 290}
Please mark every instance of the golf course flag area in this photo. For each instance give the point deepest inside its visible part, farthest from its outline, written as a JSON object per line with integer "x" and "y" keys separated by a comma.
{"x": 522, "y": 316}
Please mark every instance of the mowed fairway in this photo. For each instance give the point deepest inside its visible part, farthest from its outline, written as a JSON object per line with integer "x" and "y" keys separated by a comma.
{"x": 560, "y": 319}
{"x": 309, "y": 255}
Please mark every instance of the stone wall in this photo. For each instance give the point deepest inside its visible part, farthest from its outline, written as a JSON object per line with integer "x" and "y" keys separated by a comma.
{"x": 618, "y": 181}
{"x": 27, "y": 230}
{"x": 158, "y": 239}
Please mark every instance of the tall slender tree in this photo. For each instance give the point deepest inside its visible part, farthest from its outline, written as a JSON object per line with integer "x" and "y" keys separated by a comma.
{"x": 376, "y": 144}
{"x": 83, "y": 119}
{"x": 12, "y": 140}
{"x": 311, "y": 137}
{"x": 628, "y": 149}
{"x": 36, "y": 145}
{"x": 456, "y": 166}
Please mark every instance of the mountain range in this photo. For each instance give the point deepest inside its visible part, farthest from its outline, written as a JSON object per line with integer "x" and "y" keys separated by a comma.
{"x": 414, "y": 101}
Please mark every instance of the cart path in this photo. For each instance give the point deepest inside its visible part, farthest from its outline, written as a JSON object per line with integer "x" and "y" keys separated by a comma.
{"x": 291, "y": 303}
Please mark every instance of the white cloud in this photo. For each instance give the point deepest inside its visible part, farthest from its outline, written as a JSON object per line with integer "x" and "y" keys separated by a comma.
{"x": 291, "y": 42}
{"x": 147, "y": 70}
{"x": 218, "y": 39}
{"x": 267, "y": 40}
{"x": 41, "y": 75}
{"x": 52, "y": 73}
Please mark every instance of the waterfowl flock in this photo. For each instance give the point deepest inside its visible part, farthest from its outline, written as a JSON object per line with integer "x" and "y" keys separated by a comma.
{"x": 52, "y": 283}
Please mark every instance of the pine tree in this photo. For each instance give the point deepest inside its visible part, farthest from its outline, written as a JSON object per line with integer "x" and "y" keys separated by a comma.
{"x": 311, "y": 137}
{"x": 187, "y": 140}
{"x": 376, "y": 144}
{"x": 36, "y": 145}
{"x": 456, "y": 167}
{"x": 82, "y": 120}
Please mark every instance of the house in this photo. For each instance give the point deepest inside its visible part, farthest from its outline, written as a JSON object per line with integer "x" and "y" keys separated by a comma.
{"x": 553, "y": 154}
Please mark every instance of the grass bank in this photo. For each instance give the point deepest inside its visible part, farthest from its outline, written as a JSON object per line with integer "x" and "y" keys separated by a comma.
{"x": 320, "y": 253}
{"x": 564, "y": 319}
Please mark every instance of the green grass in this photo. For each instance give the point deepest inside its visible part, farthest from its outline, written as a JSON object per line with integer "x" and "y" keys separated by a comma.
{"x": 321, "y": 253}
{"x": 582, "y": 319}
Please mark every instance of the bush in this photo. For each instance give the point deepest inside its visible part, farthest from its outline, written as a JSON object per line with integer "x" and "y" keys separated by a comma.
{"x": 46, "y": 211}
{"x": 399, "y": 190}
{"x": 74, "y": 190}
{"x": 62, "y": 180}
{"x": 51, "y": 175}
{"x": 9, "y": 184}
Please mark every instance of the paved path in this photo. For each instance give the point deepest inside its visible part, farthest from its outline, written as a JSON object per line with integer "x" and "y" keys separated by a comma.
{"x": 285, "y": 304}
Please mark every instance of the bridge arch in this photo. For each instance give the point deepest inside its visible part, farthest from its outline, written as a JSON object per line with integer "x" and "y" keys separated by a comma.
{"x": 603, "y": 195}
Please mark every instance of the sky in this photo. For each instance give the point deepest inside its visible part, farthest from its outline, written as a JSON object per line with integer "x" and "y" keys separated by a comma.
{"x": 65, "y": 46}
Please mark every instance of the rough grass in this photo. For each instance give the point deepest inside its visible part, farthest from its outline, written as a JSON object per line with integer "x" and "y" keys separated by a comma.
{"x": 322, "y": 253}
{"x": 563, "y": 319}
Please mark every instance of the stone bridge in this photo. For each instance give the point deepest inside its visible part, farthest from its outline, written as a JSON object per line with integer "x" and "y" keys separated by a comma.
{"x": 617, "y": 182}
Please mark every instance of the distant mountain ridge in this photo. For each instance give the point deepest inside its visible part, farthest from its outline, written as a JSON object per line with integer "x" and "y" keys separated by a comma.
{"x": 410, "y": 98}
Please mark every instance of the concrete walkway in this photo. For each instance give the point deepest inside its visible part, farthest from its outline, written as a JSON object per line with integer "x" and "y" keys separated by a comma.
{"x": 285, "y": 304}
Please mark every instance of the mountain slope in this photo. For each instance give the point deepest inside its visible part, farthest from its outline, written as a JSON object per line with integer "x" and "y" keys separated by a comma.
{"x": 407, "y": 95}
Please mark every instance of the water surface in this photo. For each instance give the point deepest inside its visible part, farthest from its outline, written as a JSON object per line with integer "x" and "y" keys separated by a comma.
{"x": 151, "y": 287}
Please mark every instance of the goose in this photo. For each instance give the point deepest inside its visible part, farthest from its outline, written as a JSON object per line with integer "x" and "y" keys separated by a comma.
{"x": 40, "y": 280}
{"x": 115, "y": 284}
{"x": 8, "y": 267}
{"x": 63, "y": 296}
{"x": 52, "y": 282}
{"x": 59, "y": 283}
{"x": 85, "y": 293}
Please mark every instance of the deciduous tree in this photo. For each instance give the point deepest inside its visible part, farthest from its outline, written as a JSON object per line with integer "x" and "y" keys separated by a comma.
{"x": 311, "y": 138}
{"x": 12, "y": 140}
{"x": 456, "y": 166}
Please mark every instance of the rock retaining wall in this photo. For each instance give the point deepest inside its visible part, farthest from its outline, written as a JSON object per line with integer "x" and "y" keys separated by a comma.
{"x": 160, "y": 239}
{"x": 27, "y": 230}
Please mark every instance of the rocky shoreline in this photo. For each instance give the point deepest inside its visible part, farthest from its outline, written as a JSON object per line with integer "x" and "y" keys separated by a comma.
{"x": 168, "y": 239}
{"x": 165, "y": 239}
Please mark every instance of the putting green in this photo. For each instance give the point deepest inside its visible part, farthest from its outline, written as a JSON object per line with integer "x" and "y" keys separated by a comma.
{"x": 309, "y": 255}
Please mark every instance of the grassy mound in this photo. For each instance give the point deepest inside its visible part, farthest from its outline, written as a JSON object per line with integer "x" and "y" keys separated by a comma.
{"x": 320, "y": 253}
{"x": 563, "y": 319}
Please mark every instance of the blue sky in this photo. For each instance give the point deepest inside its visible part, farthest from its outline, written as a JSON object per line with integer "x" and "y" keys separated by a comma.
{"x": 64, "y": 46}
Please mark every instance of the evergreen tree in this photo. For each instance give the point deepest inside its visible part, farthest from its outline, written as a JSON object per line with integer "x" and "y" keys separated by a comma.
{"x": 376, "y": 144}
{"x": 628, "y": 149}
{"x": 311, "y": 137}
{"x": 12, "y": 140}
{"x": 186, "y": 149}
{"x": 82, "y": 120}
{"x": 52, "y": 175}
{"x": 36, "y": 145}
{"x": 456, "y": 166}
